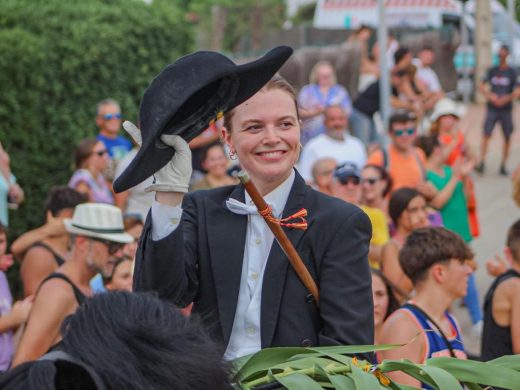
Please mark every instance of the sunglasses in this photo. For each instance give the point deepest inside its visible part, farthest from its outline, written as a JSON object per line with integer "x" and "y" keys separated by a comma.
{"x": 349, "y": 179}
{"x": 100, "y": 153}
{"x": 370, "y": 180}
{"x": 112, "y": 246}
{"x": 400, "y": 133}
{"x": 108, "y": 117}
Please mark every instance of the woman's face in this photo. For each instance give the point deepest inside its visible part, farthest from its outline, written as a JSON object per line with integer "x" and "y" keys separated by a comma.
{"x": 98, "y": 159}
{"x": 216, "y": 162}
{"x": 381, "y": 299}
{"x": 266, "y": 136}
{"x": 131, "y": 248}
{"x": 373, "y": 185}
{"x": 325, "y": 76}
{"x": 122, "y": 277}
{"x": 447, "y": 122}
{"x": 415, "y": 216}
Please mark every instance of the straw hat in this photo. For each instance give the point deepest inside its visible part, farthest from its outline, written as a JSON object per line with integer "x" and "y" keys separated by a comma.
{"x": 98, "y": 220}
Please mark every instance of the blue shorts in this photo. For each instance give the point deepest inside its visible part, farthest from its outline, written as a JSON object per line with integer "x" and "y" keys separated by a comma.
{"x": 504, "y": 117}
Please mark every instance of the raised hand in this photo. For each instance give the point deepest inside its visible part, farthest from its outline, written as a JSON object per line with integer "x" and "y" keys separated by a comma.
{"x": 174, "y": 176}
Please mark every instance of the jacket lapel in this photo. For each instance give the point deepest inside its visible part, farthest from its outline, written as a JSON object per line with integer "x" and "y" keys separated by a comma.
{"x": 226, "y": 260}
{"x": 278, "y": 264}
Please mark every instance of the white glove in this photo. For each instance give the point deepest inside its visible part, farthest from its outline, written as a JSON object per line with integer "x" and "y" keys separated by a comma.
{"x": 174, "y": 176}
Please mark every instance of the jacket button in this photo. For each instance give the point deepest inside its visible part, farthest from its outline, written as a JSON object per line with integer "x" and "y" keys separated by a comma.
{"x": 309, "y": 298}
{"x": 306, "y": 343}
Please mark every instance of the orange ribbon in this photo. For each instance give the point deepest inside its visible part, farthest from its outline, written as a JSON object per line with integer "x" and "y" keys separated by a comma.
{"x": 213, "y": 122}
{"x": 267, "y": 213}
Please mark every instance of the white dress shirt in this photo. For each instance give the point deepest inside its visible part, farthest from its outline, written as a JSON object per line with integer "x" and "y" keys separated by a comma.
{"x": 246, "y": 333}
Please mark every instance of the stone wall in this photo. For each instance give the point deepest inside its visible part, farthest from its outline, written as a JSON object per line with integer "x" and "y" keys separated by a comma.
{"x": 346, "y": 57}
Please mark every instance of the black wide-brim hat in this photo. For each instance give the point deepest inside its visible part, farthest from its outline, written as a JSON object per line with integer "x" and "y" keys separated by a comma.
{"x": 186, "y": 96}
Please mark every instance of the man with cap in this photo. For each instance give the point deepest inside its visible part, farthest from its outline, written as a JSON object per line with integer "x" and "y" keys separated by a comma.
{"x": 346, "y": 185}
{"x": 98, "y": 238}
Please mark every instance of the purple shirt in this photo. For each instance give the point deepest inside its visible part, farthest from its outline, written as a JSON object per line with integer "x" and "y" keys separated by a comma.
{"x": 310, "y": 97}
{"x": 99, "y": 188}
{"x": 6, "y": 338}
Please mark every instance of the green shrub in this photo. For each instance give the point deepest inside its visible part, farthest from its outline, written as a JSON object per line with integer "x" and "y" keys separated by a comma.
{"x": 58, "y": 59}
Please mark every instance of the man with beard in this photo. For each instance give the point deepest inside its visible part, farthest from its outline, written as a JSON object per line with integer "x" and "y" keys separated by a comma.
{"x": 336, "y": 143}
{"x": 98, "y": 239}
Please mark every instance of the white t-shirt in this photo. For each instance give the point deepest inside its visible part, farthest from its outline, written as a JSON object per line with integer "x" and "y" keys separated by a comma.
{"x": 428, "y": 76}
{"x": 349, "y": 149}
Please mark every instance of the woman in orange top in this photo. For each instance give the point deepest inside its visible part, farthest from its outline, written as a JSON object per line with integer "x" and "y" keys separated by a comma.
{"x": 445, "y": 120}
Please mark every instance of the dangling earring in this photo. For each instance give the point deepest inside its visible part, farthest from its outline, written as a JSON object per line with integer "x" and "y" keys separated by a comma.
{"x": 232, "y": 155}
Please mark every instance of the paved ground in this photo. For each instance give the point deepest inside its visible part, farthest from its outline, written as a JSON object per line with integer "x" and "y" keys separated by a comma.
{"x": 496, "y": 208}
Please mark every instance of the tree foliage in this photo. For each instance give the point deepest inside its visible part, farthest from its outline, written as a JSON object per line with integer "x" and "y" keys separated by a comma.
{"x": 228, "y": 22}
{"x": 305, "y": 14}
{"x": 59, "y": 58}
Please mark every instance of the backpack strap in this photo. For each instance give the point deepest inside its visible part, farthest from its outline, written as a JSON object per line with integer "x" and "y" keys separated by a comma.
{"x": 420, "y": 163}
{"x": 446, "y": 341}
{"x": 386, "y": 159}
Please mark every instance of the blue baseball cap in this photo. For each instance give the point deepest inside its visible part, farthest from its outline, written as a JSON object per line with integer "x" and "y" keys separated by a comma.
{"x": 346, "y": 170}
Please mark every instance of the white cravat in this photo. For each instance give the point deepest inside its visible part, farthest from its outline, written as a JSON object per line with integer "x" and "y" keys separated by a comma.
{"x": 246, "y": 333}
{"x": 238, "y": 207}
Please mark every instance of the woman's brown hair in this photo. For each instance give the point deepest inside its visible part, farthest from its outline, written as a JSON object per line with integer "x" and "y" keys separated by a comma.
{"x": 84, "y": 151}
{"x": 276, "y": 82}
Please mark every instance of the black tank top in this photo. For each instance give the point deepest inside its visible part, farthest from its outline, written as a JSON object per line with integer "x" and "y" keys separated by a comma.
{"x": 78, "y": 294}
{"x": 59, "y": 260}
{"x": 496, "y": 339}
{"x": 80, "y": 297}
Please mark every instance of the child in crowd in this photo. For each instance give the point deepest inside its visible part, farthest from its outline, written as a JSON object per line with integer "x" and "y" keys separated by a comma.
{"x": 121, "y": 277}
{"x": 501, "y": 334}
{"x": 450, "y": 199}
{"x": 11, "y": 316}
{"x": 434, "y": 259}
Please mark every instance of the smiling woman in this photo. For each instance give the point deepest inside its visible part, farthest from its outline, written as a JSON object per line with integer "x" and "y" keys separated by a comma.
{"x": 267, "y": 142}
{"x": 215, "y": 250}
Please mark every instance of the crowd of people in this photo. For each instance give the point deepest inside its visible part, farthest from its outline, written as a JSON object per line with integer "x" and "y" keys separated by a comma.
{"x": 413, "y": 182}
